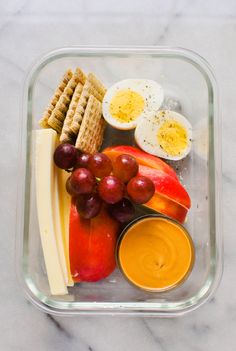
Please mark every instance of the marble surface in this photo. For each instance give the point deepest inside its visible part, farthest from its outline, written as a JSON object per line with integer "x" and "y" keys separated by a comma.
{"x": 29, "y": 29}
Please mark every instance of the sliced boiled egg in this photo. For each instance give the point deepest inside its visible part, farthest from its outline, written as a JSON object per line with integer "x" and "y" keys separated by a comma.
{"x": 166, "y": 134}
{"x": 129, "y": 100}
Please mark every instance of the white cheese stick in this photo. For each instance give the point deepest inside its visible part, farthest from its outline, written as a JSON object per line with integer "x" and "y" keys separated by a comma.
{"x": 46, "y": 197}
{"x": 64, "y": 203}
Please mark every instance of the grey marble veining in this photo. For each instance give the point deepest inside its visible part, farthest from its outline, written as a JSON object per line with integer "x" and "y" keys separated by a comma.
{"x": 27, "y": 30}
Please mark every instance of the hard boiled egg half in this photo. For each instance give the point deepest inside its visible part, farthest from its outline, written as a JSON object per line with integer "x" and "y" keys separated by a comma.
{"x": 166, "y": 134}
{"x": 127, "y": 101}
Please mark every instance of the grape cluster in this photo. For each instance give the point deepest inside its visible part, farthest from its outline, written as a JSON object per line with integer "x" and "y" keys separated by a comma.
{"x": 95, "y": 179}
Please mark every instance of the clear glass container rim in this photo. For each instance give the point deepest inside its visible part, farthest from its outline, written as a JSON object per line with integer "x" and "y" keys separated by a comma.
{"x": 119, "y": 308}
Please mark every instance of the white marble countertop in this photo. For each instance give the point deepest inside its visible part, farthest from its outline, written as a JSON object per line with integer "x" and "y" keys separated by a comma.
{"x": 27, "y": 30}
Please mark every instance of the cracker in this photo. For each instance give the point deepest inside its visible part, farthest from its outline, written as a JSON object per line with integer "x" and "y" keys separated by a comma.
{"x": 66, "y": 135}
{"x": 56, "y": 125}
{"x": 92, "y": 127}
{"x": 97, "y": 84}
{"x": 92, "y": 87}
{"x": 81, "y": 76}
{"x": 58, "y": 92}
{"x": 60, "y": 110}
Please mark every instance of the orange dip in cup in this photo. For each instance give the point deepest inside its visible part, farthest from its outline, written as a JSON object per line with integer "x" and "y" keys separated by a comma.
{"x": 155, "y": 253}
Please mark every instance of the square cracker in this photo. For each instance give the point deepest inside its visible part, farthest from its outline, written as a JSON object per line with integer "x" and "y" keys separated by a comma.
{"x": 56, "y": 96}
{"x": 66, "y": 135}
{"x": 93, "y": 87}
{"x": 58, "y": 114}
{"x": 92, "y": 128}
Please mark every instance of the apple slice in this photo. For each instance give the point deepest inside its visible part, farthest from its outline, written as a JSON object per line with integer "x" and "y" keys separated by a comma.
{"x": 167, "y": 207}
{"x": 166, "y": 185}
{"x": 92, "y": 246}
{"x": 142, "y": 158}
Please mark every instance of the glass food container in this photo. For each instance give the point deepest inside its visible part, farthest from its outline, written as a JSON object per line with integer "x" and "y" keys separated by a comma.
{"x": 190, "y": 87}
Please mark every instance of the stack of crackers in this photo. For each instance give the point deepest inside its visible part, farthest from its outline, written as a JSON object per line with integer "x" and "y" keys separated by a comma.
{"x": 75, "y": 111}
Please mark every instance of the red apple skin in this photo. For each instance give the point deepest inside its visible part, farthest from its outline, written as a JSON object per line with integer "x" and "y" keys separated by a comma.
{"x": 166, "y": 185}
{"x": 142, "y": 158}
{"x": 92, "y": 245}
{"x": 167, "y": 207}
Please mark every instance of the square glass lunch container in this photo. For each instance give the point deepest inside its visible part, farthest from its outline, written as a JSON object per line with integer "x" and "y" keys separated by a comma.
{"x": 190, "y": 87}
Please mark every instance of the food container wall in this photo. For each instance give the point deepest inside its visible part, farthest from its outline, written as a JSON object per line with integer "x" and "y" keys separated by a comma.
{"x": 190, "y": 87}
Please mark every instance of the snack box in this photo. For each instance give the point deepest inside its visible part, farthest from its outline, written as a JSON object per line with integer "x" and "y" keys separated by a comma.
{"x": 189, "y": 85}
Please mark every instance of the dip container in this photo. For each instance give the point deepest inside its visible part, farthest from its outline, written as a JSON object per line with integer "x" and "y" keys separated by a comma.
{"x": 153, "y": 256}
{"x": 189, "y": 87}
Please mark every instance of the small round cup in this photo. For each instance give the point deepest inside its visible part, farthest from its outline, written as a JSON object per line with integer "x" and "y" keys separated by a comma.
{"x": 130, "y": 279}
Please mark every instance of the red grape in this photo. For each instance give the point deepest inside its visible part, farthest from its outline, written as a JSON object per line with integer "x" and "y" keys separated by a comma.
{"x": 82, "y": 181}
{"x": 83, "y": 160}
{"x": 100, "y": 165}
{"x": 123, "y": 210}
{"x": 111, "y": 189}
{"x": 65, "y": 156}
{"x": 68, "y": 187}
{"x": 140, "y": 189}
{"x": 88, "y": 205}
{"x": 125, "y": 167}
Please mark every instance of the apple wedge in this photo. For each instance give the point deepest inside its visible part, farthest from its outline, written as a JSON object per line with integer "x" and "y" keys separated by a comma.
{"x": 92, "y": 246}
{"x": 167, "y": 207}
{"x": 166, "y": 185}
{"x": 142, "y": 158}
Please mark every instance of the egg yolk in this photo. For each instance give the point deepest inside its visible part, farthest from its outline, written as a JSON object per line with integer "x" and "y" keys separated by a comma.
{"x": 172, "y": 137}
{"x": 126, "y": 106}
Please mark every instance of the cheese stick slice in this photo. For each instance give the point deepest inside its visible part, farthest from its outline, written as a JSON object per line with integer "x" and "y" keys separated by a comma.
{"x": 64, "y": 204}
{"x": 46, "y": 198}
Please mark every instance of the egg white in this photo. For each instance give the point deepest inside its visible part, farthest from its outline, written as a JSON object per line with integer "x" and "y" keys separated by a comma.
{"x": 151, "y": 92}
{"x": 147, "y": 130}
